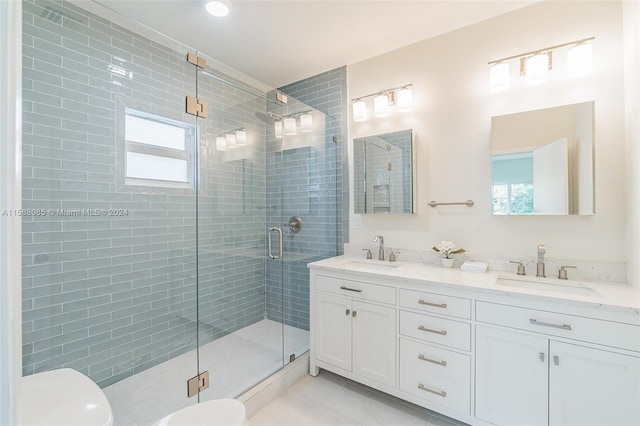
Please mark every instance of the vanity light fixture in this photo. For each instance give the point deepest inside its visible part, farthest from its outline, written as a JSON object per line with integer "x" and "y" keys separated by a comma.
{"x": 241, "y": 137}
{"x": 536, "y": 68}
{"x": 499, "y": 77}
{"x": 218, "y": 8}
{"x": 535, "y": 65}
{"x": 306, "y": 123}
{"x": 381, "y": 105}
{"x": 221, "y": 143}
{"x": 289, "y": 123}
{"x": 405, "y": 99}
{"x": 231, "y": 139}
{"x": 289, "y": 126}
{"x": 359, "y": 111}
{"x": 401, "y": 96}
{"x": 580, "y": 60}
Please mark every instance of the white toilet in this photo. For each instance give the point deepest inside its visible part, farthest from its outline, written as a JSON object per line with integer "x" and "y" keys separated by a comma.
{"x": 63, "y": 397}
{"x": 217, "y": 412}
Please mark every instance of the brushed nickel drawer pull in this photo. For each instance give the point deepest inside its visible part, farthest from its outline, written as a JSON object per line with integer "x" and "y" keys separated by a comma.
{"x": 443, "y": 332}
{"x": 548, "y": 324}
{"x": 437, "y": 305}
{"x": 424, "y": 358}
{"x": 350, "y": 289}
{"x": 439, "y": 393}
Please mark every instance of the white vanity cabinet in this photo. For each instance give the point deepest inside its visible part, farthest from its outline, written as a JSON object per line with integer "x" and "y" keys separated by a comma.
{"x": 354, "y": 330}
{"x": 483, "y": 356}
{"x": 550, "y": 372}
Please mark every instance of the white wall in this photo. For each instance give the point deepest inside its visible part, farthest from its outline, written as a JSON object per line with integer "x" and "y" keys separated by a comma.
{"x": 631, "y": 25}
{"x": 452, "y": 120}
{"x": 10, "y": 198}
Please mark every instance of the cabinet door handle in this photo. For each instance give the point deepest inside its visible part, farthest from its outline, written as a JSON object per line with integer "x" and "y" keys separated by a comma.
{"x": 357, "y": 290}
{"x": 541, "y": 356}
{"x": 443, "y": 332}
{"x": 556, "y": 360}
{"x": 437, "y": 305}
{"x": 548, "y": 324}
{"x": 348, "y": 312}
{"x": 439, "y": 393}
{"x": 424, "y": 358}
{"x": 354, "y": 313}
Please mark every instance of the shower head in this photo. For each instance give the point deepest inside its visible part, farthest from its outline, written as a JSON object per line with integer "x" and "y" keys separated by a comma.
{"x": 269, "y": 117}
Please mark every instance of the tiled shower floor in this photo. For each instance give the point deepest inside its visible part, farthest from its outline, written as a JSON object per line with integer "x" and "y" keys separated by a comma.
{"x": 235, "y": 362}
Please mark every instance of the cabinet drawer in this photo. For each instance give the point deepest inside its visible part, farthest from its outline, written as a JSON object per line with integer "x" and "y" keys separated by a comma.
{"x": 597, "y": 331}
{"x": 436, "y": 303}
{"x": 437, "y": 330}
{"x": 423, "y": 380}
{"x": 356, "y": 289}
{"x": 429, "y": 360}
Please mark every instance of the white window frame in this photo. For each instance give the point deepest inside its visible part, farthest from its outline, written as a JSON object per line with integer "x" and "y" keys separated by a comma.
{"x": 188, "y": 154}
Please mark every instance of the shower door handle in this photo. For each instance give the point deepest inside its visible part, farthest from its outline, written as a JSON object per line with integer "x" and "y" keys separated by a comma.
{"x": 279, "y": 231}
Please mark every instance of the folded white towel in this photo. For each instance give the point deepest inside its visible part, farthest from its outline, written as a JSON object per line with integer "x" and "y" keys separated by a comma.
{"x": 472, "y": 266}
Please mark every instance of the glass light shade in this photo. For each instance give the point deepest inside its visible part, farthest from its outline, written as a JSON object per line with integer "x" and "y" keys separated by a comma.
{"x": 278, "y": 129}
{"x": 231, "y": 140}
{"x": 221, "y": 143}
{"x": 536, "y": 69}
{"x": 218, "y": 8}
{"x": 306, "y": 123}
{"x": 289, "y": 126}
{"x": 580, "y": 60}
{"x": 499, "y": 77}
{"x": 404, "y": 100}
{"x": 241, "y": 137}
{"x": 359, "y": 111}
{"x": 381, "y": 106}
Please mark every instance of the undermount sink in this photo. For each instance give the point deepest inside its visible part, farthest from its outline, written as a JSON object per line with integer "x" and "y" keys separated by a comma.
{"x": 369, "y": 265}
{"x": 546, "y": 284}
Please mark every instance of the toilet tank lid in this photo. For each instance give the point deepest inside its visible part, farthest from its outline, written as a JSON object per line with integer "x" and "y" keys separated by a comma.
{"x": 63, "y": 397}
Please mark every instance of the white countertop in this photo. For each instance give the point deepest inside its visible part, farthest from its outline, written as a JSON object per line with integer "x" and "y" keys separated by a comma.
{"x": 613, "y": 294}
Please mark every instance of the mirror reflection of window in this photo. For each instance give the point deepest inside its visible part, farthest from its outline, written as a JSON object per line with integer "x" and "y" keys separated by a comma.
{"x": 512, "y": 183}
{"x": 543, "y": 161}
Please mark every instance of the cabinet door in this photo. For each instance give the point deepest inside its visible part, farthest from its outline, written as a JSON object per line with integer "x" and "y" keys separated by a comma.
{"x": 333, "y": 330}
{"x": 592, "y": 387}
{"x": 511, "y": 377}
{"x": 374, "y": 342}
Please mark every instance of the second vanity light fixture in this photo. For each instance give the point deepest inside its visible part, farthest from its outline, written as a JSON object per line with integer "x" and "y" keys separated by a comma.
{"x": 535, "y": 65}
{"x": 289, "y": 123}
{"x": 236, "y": 137}
{"x": 401, "y": 96}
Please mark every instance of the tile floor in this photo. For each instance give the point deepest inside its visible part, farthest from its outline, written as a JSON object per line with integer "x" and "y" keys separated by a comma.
{"x": 330, "y": 400}
{"x": 235, "y": 362}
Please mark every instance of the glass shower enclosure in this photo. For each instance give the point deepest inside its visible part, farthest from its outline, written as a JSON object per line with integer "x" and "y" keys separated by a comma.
{"x": 163, "y": 244}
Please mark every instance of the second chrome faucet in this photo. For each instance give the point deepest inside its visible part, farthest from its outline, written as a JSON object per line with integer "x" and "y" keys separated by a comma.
{"x": 380, "y": 240}
{"x": 540, "y": 264}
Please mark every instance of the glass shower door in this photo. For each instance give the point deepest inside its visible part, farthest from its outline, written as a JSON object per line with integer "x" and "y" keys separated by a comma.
{"x": 302, "y": 178}
{"x": 237, "y": 345}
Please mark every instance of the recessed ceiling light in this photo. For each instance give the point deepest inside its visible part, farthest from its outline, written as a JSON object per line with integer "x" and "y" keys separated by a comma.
{"x": 218, "y": 8}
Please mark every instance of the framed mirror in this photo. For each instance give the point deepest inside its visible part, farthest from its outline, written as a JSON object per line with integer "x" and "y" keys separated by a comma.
{"x": 383, "y": 175}
{"x": 542, "y": 162}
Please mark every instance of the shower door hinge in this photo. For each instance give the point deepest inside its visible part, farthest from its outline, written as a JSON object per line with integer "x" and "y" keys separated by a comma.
{"x": 197, "y": 384}
{"x": 196, "y": 60}
{"x": 196, "y": 107}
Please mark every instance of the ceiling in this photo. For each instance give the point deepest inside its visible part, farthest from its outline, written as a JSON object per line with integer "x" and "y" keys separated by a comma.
{"x": 281, "y": 42}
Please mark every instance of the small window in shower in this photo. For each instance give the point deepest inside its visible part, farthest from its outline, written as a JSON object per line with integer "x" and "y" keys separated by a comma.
{"x": 158, "y": 151}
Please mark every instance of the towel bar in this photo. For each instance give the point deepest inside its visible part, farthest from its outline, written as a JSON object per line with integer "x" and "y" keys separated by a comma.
{"x": 467, "y": 203}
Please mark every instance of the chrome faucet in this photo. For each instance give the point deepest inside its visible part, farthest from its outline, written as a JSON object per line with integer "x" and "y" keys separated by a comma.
{"x": 540, "y": 264}
{"x": 380, "y": 240}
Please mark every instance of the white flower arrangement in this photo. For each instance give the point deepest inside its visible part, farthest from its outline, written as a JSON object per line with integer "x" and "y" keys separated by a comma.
{"x": 447, "y": 248}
